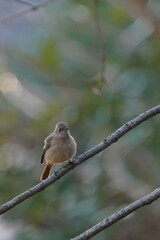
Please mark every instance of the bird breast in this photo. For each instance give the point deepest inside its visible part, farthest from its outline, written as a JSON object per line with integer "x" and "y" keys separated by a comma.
{"x": 61, "y": 150}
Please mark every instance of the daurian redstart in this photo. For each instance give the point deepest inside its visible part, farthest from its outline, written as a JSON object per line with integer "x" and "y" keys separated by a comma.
{"x": 59, "y": 147}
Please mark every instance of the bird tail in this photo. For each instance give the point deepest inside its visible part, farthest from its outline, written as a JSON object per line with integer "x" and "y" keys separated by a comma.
{"x": 46, "y": 172}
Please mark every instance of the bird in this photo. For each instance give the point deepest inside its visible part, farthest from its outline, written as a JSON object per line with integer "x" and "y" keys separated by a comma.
{"x": 59, "y": 147}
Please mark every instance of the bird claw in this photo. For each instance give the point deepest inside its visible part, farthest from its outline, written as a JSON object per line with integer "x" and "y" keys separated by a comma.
{"x": 56, "y": 173}
{"x": 71, "y": 163}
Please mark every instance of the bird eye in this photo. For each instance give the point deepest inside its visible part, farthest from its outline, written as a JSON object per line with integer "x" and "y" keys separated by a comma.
{"x": 60, "y": 129}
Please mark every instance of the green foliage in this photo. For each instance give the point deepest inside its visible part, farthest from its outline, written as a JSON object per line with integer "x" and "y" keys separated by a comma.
{"x": 49, "y": 56}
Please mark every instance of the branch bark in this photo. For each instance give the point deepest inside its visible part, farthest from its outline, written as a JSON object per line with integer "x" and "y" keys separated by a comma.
{"x": 115, "y": 217}
{"x": 83, "y": 157}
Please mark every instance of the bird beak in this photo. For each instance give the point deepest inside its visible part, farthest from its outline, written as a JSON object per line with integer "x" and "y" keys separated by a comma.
{"x": 67, "y": 128}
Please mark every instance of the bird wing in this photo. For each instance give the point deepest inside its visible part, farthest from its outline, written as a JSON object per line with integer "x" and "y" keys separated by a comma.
{"x": 46, "y": 146}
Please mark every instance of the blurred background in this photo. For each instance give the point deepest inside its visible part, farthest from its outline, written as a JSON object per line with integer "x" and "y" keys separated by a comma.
{"x": 95, "y": 65}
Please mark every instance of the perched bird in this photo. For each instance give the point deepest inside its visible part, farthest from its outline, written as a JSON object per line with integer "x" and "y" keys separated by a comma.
{"x": 59, "y": 147}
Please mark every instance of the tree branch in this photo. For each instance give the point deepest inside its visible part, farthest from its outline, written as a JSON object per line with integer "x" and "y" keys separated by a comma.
{"x": 26, "y": 10}
{"x": 147, "y": 12}
{"x": 83, "y": 157}
{"x": 115, "y": 217}
{"x": 102, "y": 45}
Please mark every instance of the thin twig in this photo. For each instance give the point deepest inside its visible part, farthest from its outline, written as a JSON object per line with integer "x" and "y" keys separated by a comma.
{"x": 102, "y": 45}
{"x": 83, "y": 157}
{"x": 115, "y": 217}
{"x": 147, "y": 12}
{"x": 23, "y": 1}
{"x": 28, "y": 9}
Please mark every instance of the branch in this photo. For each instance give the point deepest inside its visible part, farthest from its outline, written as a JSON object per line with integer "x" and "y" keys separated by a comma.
{"x": 115, "y": 217}
{"x": 83, "y": 157}
{"x": 148, "y": 13}
{"x": 28, "y": 9}
{"x": 102, "y": 45}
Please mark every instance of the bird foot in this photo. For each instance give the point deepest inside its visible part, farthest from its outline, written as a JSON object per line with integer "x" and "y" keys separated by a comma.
{"x": 71, "y": 163}
{"x": 55, "y": 173}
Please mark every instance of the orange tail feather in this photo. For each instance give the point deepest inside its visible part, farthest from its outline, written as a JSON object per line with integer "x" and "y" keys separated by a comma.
{"x": 46, "y": 172}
